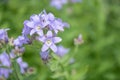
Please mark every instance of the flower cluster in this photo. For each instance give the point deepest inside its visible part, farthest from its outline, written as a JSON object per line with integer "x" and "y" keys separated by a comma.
{"x": 5, "y": 58}
{"x": 6, "y": 65}
{"x": 44, "y": 27}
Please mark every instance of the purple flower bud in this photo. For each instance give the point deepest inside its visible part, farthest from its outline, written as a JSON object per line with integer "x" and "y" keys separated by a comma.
{"x": 26, "y": 29}
{"x": 21, "y": 40}
{"x": 49, "y": 42}
{"x": 44, "y": 55}
{"x": 3, "y": 35}
{"x": 5, "y": 61}
{"x": 79, "y": 40}
{"x": 61, "y": 51}
{"x": 23, "y": 65}
{"x": 18, "y": 51}
{"x": 4, "y": 72}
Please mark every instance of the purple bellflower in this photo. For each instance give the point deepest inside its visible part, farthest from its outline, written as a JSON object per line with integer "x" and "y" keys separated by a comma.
{"x": 23, "y": 65}
{"x": 44, "y": 55}
{"x": 49, "y": 42}
{"x": 5, "y": 61}
{"x": 58, "y": 3}
{"x": 61, "y": 51}
{"x": 57, "y": 25}
{"x": 20, "y": 41}
{"x": 4, "y": 72}
{"x": 37, "y": 23}
{"x": 3, "y": 35}
{"x": 26, "y": 29}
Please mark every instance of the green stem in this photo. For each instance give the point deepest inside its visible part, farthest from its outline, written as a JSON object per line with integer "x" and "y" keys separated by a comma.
{"x": 75, "y": 51}
{"x": 16, "y": 75}
{"x": 17, "y": 72}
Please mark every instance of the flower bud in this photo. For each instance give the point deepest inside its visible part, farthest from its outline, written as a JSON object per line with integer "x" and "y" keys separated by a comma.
{"x": 79, "y": 40}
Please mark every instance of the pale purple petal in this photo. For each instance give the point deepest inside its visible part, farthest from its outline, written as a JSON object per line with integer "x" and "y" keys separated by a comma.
{"x": 42, "y": 39}
{"x": 53, "y": 47}
{"x": 30, "y": 24}
{"x": 40, "y": 32}
{"x": 57, "y": 39}
{"x": 51, "y": 17}
{"x": 61, "y": 51}
{"x": 35, "y": 18}
{"x": 44, "y": 48}
{"x": 23, "y": 65}
{"x": 49, "y": 34}
{"x": 32, "y": 32}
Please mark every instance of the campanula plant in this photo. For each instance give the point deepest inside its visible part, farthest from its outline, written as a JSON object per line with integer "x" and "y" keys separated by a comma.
{"x": 44, "y": 28}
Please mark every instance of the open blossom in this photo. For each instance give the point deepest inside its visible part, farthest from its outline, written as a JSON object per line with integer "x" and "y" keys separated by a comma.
{"x": 49, "y": 42}
{"x": 21, "y": 40}
{"x": 37, "y": 23}
{"x": 3, "y": 35}
{"x": 58, "y": 25}
{"x": 23, "y": 65}
{"x": 58, "y": 3}
{"x": 61, "y": 51}
{"x": 5, "y": 61}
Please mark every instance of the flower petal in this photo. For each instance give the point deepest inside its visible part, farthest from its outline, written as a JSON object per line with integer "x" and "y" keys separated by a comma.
{"x": 42, "y": 39}
{"x": 57, "y": 39}
{"x": 30, "y": 24}
{"x": 44, "y": 48}
{"x": 40, "y": 32}
{"x": 49, "y": 34}
{"x": 32, "y": 32}
{"x": 51, "y": 16}
{"x": 35, "y": 18}
{"x": 54, "y": 48}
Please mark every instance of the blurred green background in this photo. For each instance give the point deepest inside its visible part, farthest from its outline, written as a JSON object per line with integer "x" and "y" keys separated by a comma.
{"x": 97, "y": 20}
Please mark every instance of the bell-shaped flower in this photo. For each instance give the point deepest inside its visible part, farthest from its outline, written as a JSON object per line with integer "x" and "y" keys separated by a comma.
{"x": 61, "y": 51}
{"x": 49, "y": 42}
{"x": 3, "y": 35}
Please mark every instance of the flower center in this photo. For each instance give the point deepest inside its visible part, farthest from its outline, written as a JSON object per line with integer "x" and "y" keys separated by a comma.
{"x": 48, "y": 41}
{"x": 38, "y": 28}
